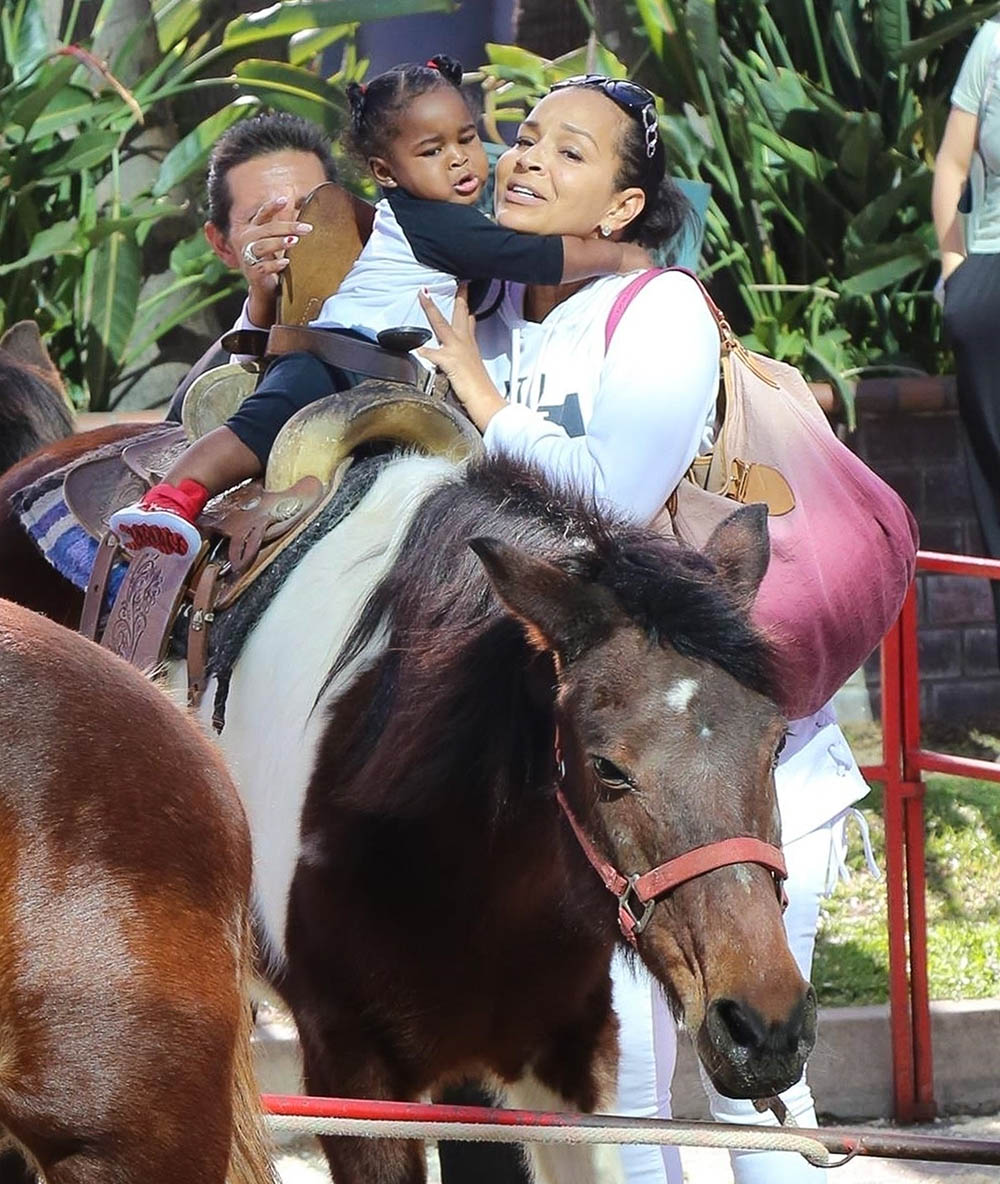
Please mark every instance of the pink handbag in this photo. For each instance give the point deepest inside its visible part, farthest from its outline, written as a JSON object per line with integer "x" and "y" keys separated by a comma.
{"x": 843, "y": 544}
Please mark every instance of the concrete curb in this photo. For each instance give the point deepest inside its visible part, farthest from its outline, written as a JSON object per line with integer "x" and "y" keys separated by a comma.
{"x": 850, "y": 1071}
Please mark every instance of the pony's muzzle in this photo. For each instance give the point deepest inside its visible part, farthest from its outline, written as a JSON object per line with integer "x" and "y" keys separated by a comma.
{"x": 751, "y": 1057}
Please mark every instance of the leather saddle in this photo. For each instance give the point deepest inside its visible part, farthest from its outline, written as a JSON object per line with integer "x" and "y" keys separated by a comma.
{"x": 248, "y": 527}
{"x": 245, "y": 529}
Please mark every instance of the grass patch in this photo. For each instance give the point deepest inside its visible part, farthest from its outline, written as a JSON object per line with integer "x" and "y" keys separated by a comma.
{"x": 851, "y": 964}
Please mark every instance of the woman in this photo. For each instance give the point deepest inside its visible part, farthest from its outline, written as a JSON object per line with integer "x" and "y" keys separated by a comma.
{"x": 970, "y": 268}
{"x": 624, "y": 422}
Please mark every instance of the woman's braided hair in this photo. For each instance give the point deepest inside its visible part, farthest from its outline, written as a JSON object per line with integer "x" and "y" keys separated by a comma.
{"x": 377, "y": 106}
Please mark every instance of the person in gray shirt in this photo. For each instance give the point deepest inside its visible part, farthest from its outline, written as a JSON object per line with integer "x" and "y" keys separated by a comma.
{"x": 966, "y": 206}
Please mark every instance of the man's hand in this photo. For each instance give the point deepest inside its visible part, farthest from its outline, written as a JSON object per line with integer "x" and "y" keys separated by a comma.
{"x": 259, "y": 246}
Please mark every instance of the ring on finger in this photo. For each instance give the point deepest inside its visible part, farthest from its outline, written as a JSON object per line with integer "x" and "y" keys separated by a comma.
{"x": 250, "y": 256}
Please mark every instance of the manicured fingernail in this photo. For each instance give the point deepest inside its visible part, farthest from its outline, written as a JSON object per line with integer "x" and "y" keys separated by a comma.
{"x": 291, "y": 240}
{"x": 281, "y": 201}
{"x": 303, "y": 227}
{"x": 425, "y": 292}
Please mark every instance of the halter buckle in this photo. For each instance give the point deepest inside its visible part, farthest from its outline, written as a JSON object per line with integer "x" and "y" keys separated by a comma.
{"x": 638, "y": 919}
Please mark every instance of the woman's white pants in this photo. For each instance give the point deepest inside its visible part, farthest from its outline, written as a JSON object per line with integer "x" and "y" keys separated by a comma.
{"x": 648, "y": 1039}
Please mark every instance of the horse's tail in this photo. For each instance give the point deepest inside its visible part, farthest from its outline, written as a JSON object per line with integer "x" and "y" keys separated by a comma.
{"x": 250, "y": 1157}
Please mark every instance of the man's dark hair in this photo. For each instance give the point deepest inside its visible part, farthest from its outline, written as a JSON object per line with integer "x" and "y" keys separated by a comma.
{"x": 270, "y": 131}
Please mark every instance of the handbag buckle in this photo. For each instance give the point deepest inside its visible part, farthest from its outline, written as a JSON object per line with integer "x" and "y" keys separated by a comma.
{"x": 739, "y": 477}
{"x": 751, "y": 482}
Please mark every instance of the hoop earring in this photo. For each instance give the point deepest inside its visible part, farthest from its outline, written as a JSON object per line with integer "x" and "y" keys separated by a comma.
{"x": 605, "y": 232}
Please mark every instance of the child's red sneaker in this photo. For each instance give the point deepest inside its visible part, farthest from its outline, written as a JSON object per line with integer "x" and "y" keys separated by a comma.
{"x": 163, "y": 520}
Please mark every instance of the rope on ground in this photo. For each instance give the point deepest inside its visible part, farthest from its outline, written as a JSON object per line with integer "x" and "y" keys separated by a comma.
{"x": 658, "y": 1131}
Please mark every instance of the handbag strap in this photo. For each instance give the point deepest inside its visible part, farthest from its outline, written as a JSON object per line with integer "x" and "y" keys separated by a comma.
{"x": 730, "y": 344}
{"x": 630, "y": 291}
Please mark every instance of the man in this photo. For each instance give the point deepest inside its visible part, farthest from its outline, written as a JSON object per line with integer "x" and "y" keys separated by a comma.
{"x": 258, "y": 173}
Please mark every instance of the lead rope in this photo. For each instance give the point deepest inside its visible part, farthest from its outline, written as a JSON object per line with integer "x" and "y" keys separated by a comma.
{"x": 608, "y": 1130}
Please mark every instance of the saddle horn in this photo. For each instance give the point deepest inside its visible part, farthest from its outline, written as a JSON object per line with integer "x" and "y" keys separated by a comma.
{"x": 318, "y": 438}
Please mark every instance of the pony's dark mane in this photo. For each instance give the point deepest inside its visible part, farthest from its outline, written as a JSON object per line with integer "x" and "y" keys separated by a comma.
{"x": 458, "y": 666}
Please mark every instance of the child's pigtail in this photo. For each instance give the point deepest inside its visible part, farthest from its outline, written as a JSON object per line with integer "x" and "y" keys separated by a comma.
{"x": 356, "y": 102}
{"x": 450, "y": 68}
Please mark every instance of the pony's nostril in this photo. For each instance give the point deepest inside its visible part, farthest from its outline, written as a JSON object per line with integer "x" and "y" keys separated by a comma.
{"x": 742, "y": 1024}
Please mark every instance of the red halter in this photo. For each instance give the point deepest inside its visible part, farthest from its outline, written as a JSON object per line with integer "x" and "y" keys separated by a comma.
{"x": 646, "y": 889}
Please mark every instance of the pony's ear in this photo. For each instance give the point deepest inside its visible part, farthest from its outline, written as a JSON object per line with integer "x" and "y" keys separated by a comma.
{"x": 24, "y": 342}
{"x": 558, "y": 612}
{"x": 741, "y": 550}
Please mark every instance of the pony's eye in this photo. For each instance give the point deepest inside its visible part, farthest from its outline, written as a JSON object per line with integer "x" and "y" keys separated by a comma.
{"x": 779, "y": 750}
{"x": 610, "y": 775}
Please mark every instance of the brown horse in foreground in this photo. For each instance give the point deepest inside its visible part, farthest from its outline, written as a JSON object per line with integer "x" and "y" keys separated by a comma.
{"x": 124, "y": 927}
{"x": 392, "y": 723}
{"x": 34, "y": 410}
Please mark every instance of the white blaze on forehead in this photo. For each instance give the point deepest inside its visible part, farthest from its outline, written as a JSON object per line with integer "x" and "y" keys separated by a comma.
{"x": 681, "y": 693}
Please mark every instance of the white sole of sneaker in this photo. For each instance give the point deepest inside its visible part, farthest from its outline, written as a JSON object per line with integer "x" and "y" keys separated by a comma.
{"x": 161, "y": 530}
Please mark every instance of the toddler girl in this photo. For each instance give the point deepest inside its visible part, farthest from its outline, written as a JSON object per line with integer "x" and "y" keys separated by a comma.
{"x": 419, "y": 137}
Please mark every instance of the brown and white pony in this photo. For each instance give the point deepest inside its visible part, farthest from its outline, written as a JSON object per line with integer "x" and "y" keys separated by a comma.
{"x": 34, "y": 410}
{"x": 124, "y": 927}
{"x": 422, "y": 902}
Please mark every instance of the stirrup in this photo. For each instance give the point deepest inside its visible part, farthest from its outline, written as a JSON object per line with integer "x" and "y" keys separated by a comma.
{"x": 146, "y": 606}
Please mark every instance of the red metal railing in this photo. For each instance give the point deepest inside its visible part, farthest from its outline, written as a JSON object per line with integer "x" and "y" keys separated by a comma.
{"x": 904, "y": 762}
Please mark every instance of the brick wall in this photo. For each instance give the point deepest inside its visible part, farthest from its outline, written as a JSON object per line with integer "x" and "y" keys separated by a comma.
{"x": 909, "y": 432}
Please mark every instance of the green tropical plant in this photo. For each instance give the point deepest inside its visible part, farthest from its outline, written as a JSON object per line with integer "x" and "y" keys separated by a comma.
{"x": 83, "y": 226}
{"x": 816, "y": 123}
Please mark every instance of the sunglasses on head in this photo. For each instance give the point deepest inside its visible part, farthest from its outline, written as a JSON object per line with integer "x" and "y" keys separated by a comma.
{"x": 630, "y": 96}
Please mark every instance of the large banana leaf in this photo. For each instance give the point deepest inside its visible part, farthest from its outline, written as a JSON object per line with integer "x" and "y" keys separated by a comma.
{"x": 23, "y": 35}
{"x": 892, "y": 26}
{"x": 111, "y": 296}
{"x": 310, "y": 43}
{"x": 51, "y": 79}
{"x": 190, "y": 154}
{"x": 61, "y": 239}
{"x": 70, "y": 157}
{"x": 294, "y": 89}
{"x": 900, "y": 259}
{"x": 174, "y": 20}
{"x": 72, "y": 106}
{"x": 282, "y": 20}
{"x": 945, "y": 26}
{"x": 871, "y": 222}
